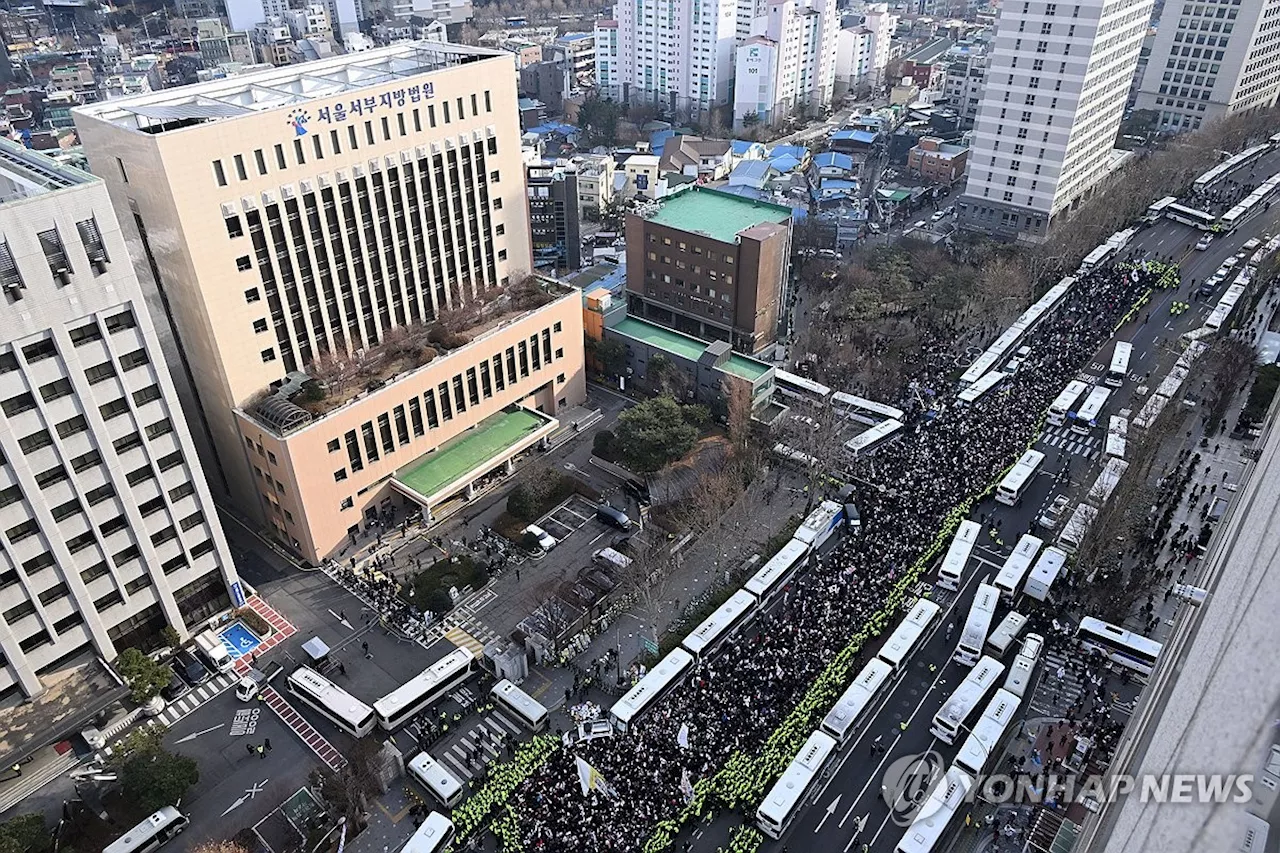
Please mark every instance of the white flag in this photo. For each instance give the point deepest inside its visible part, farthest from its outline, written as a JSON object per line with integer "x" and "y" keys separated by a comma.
{"x": 686, "y": 786}
{"x": 682, "y": 737}
{"x": 589, "y": 777}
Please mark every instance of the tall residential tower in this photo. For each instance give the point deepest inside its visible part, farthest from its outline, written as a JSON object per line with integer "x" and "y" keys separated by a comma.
{"x": 1055, "y": 91}
{"x": 110, "y": 533}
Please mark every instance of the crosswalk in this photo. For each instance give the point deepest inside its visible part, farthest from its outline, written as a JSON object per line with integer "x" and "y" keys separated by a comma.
{"x": 481, "y": 741}
{"x": 1054, "y": 696}
{"x": 317, "y": 742}
{"x": 195, "y": 697}
{"x": 461, "y": 626}
{"x": 1063, "y": 438}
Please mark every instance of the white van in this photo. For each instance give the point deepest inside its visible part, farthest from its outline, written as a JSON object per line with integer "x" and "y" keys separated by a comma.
{"x": 212, "y": 650}
{"x": 614, "y": 558}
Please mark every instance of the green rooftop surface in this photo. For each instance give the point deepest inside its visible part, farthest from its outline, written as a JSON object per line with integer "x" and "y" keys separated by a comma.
{"x": 748, "y": 368}
{"x": 432, "y": 472}
{"x": 656, "y": 336}
{"x": 687, "y": 347}
{"x": 720, "y": 216}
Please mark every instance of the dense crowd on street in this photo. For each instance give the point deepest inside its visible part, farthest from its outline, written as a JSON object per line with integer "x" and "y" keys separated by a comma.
{"x": 733, "y": 700}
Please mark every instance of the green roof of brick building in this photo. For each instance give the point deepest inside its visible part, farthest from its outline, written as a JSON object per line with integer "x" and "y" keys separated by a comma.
{"x": 430, "y": 473}
{"x": 718, "y": 215}
{"x": 687, "y": 347}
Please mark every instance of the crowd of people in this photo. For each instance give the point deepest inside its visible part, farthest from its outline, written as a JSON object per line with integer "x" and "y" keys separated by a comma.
{"x": 734, "y": 700}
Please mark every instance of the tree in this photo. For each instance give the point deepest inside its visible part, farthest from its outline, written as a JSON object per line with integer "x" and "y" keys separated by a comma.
{"x": 24, "y": 834}
{"x": 653, "y": 434}
{"x": 737, "y": 397}
{"x": 598, "y": 118}
{"x": 611, "y": 353}
{"x": 347, "y": 792}
{"x": 170, "y": 636}
{"x": 530, "y": 497}
{"x": 145, "y": 677}
{"x": 150, "y": 776}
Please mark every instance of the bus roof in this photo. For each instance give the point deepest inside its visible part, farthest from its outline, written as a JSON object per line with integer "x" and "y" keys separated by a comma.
{"x": 714, "y": 626}
{"x": 790, "y": 787}
{"x": 1093, "y": 404}
{"x": 780, "y": 564}
{"x": 409, "y": 692}
{"x": 1069, "y": 396}
{"x": 982, "y": 386}
{"x": 665, "y": 673}
{"x": 871, "y": 436}
{"x": 431, "y": 837}
{"x": 817, "y": 389}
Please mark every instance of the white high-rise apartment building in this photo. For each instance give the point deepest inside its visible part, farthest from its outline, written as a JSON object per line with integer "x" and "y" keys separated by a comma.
{"x": 862, "y": 52}
{"x": 110, "y": 533}
{"x": 1212, "y": 59}
{"x": 1055, "y": 92}
{"x": 789, "y": 63}
{"x": 678, "y": 53}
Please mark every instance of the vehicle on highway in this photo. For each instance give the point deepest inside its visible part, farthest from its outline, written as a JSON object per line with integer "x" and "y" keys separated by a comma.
{"x": 1119, "y": 368}
{"x": 667, "y": 673}
{"x": 331, "y": 701}
{"x": 1086, "y": 419}
{"x": 1203, "y": 242}
{"x": 1006, "y": 632}
{"x": 974, "y": 635}
{"x": 978, "y": 749}
{"x": 783, "y": 800}
{"x": 190, "y": 667}
{"x": 425, "y": 689}
{"x": 952, "y": 718}
{"x": 1121, "y": 647}
{"x": 1063, "y": 405}
{"x": 903, "y": 641}
{"x": 721, "y": 625}
{"x": 153, "y": 832}
{"x": 1052, "y": 514}
{"x": 544, "y": 540}
{"x": 529, "y": 712}
{"x": 951, "y": 570}
{"x": 438, "y": 781}
{"x": 947, "y": 797}
{"x": 841, "y": 721}
{"x": 1012, "y": 486}
{"x": 1009, "y": 578}
{"x": 434, "y": 836}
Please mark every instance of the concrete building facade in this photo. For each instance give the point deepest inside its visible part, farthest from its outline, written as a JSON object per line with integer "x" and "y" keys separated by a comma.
{"x": 1212, "y": 59}
{"x": 678, "y": 53}
{"x": 554, "y": 217}
{"x": 789, "y": 63}
{"x": 1056, "y": 86}
{"x": 110, "y": 530}
{"x": 711, "y": 264}
{"x": 309, "y": 213}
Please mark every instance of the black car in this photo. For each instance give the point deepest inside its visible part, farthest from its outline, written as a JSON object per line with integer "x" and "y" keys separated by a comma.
{"x": 613, "y": 516}
{"x": 189, "y": 667}
{"x": 175, "y": 689}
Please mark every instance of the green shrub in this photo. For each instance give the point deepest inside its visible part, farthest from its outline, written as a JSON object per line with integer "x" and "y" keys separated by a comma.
{"x": 429, "y": 588}
{"x": 253, "y": 621}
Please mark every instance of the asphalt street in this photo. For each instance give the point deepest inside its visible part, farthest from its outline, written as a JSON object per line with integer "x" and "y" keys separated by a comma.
{"x": 846, "y": 809}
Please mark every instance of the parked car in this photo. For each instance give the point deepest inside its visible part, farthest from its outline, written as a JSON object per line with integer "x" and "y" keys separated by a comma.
{"x": 613, "y": 516}
{"x": 544, "y": 539}
{"x": 190, "y": 668}
{"x": 938, "y": 216}
{"x": 175, "y": 689}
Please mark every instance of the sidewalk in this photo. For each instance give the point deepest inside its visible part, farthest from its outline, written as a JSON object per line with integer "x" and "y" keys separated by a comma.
{"x": 702, "y": 567}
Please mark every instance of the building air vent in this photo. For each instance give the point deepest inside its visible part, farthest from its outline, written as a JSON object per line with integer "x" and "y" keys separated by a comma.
{"x": 55, "y": 254}
{"x": 94, "y": 246}
{"x": 10, "y": 277}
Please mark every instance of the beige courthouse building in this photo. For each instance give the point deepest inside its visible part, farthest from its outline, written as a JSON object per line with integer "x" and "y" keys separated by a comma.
{"x": 320, "y": 234}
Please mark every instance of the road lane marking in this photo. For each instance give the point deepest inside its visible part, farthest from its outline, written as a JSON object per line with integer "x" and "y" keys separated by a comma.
{"x": 831, "y": 809}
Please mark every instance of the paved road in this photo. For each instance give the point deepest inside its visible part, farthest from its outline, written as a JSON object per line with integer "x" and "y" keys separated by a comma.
{"x": 852, "y": 789}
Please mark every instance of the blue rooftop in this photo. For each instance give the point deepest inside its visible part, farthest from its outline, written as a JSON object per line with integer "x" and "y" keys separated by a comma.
{"x": 785, "y": 163}
{"x": 865, "y": 137}
{"x": 799, "y": 152}
{"x": 751, "y": 171}
{"x": 838, "y": 184}
{"x": 833, "y": 160}
{"x": 576, "y": 36}
{"x": 658, "y": 141}
{"x": 554, "y": 127}
{"x": 742, "y": 146}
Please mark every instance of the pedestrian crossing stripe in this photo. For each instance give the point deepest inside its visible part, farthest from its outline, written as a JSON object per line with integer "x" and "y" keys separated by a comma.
{"x": 463, "y": 640}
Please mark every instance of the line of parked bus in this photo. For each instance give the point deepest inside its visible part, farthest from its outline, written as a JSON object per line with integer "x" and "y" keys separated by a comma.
{"x": 729, "y": 618}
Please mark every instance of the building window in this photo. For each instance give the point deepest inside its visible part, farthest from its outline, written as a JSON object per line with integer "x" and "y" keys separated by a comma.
{"x": 268, "y": 355}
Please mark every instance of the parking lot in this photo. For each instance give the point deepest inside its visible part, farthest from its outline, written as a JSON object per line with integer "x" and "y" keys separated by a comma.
{"x": 573, "y": 515}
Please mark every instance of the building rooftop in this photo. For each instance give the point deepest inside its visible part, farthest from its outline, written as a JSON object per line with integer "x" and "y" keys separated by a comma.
{"x": 294, "y": 85}
{"x": 718, "y": 215}
{"x": 686, "y": 346}
{"x": 438, "y": 470}
{"x": 25, "y": 173}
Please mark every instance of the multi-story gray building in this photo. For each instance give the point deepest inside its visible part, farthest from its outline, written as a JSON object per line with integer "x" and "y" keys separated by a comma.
{"x": 1212, "y": 59}
{"x": 554, "y": 226}
{"x": 109, "y": 531}
{"x": 1056, "y": 85}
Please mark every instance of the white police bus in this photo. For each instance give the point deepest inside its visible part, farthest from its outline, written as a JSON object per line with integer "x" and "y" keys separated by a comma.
{"x": 337, "y": 705}
{"x": 974, "y": 635}
{"x": 425, "y": 689}
{"x": 1119, "y": 368}
{"x": 438, "y": 781}
{"x": 783, "y": 800}
{"x": 151, "y": 833}
{"x": 434, "y": 836}
{"x": 1015, "y": 568}
{"x": 1011, "y": 487}
{"x": 528, "y": 711}
{"x": 952, "y": 569}
{"x": 841, "y": 720}
{"x": 957, "y": 710}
